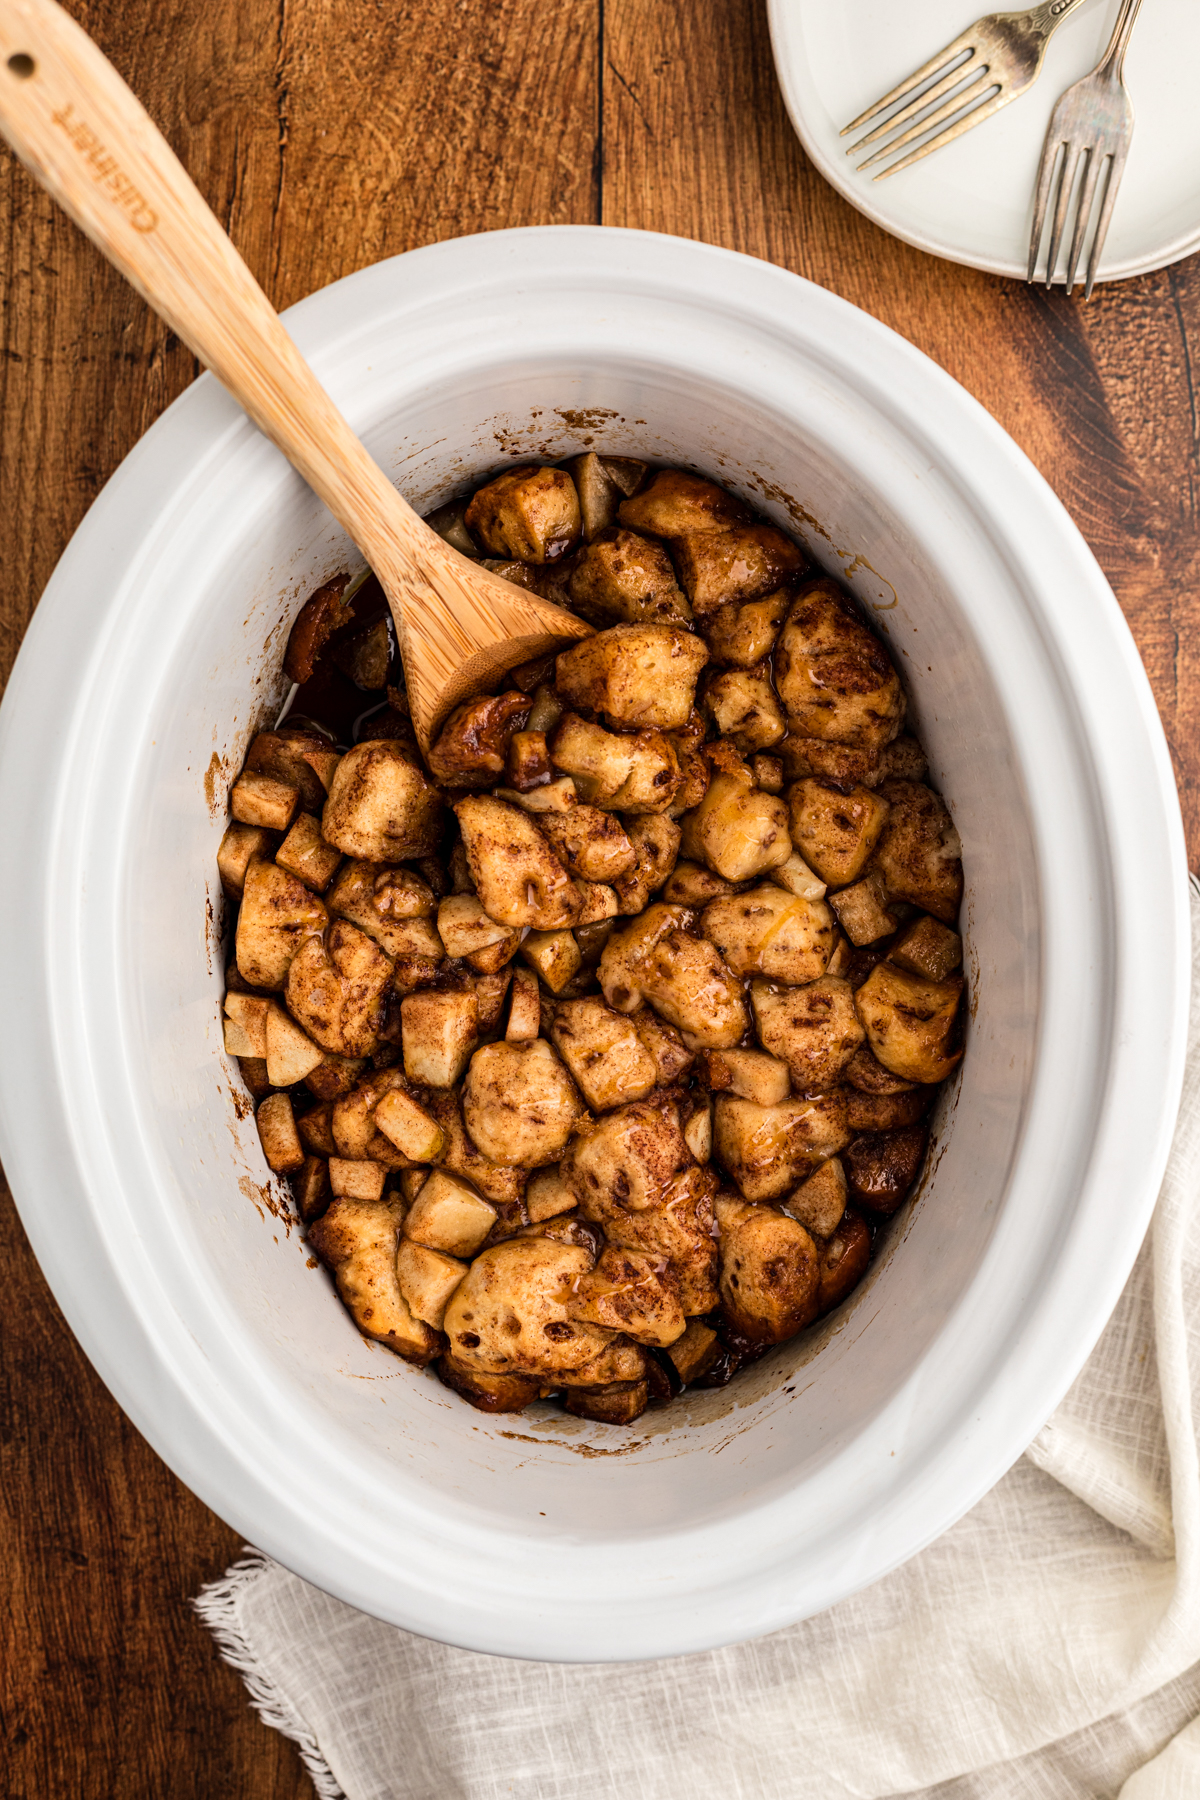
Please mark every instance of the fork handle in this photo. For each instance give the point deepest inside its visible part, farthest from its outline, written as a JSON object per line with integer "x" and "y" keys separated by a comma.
{"x": 1114, "y": 57}
{"x": 1049, "y": 16}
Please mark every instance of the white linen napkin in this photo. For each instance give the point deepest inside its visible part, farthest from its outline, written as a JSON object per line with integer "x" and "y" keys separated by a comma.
{"x": 1047, "y": 1647}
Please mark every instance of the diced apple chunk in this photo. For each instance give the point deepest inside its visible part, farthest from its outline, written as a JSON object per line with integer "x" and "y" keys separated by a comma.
{"x": 239, "y": 846}
{"x": 490, "y": 990}
{"x": 277, "y": 1132}
{"x": 261, "y": 800}
{"x": 356, "y": 1180}
{"x": 599, "y": 900}
{"x": 546, "y": 711}
{"x": 411, "y": 1183}
{"x": 862, "y": 910}
{"x": 449, "y": 1215}
{"x": 695, "y": 1352}
{"x": 352, "y": 1121}
{"x": 548, "y": 1196}
{"x": 449, "y": 523}
{"x": 525, "y": 1010}
{"x": 819, "y": 1202}
{"x": 554, "y": 797}
{"x": 305, "y": 854}
{"x": 316, "y": 1131}
{"x": 291, "y": 1053}
{"x": 796, "y": 876}
{"x": 311, "y": 1188}
{"x": 440, "y": 1029}
{"x": 324, "y": 764}
{"x": 555, "y": 957}
{"x": 528, "y": 761}
{"x": 627, "y": 471}
{"x": 768, "y": 773}
{"x": 750, "y": 1074}
{"x": 283, "y": 755}
{"x": 928, "y": 948}
{"x": 698, "y": 1131}
{"x": 464, "y": 927}
{"x": 427, "y": 1280}
{"x": 254, "y": 1074}
{"x": 246, "y": 1026}
{"x": 599, "y": 495}
{"x": 409, "y": 1127}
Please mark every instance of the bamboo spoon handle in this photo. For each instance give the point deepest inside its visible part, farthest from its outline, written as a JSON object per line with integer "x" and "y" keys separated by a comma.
{"x": 83, "y": 134}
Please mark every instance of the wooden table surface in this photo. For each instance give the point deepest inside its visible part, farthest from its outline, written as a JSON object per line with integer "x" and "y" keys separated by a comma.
{"x": 327, "y": 134}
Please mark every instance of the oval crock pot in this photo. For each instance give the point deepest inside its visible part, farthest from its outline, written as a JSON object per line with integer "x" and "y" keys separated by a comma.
{"x": 156, "y": 651}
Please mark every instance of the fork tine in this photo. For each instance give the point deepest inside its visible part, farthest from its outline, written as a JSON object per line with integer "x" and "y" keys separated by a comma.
{"x": 951, "y": 132}
{"x": 1045, "y": 176}
{"x": 957, "y": 74}
{"x": 903, "y": 88}
{"x": 1083, "y": 212}
{"x": 973, "y": 91}
{"x": 1116, "y": 169}
{"x": 1066, "y": 182}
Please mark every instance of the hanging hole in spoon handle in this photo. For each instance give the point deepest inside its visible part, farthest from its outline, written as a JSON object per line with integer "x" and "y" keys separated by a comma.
{"x": 21, "y": 66}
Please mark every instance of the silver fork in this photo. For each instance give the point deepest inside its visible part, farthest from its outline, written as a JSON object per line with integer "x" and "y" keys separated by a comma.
{"x": 1094, "y": 118}
{"x": 997, "y": 58}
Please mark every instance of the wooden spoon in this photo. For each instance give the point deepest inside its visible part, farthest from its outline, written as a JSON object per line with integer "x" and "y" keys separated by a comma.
{"x": 80, "y": 131}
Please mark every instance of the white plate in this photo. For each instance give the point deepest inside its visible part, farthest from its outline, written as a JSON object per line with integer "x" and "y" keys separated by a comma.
{"x": 972, "y": 200}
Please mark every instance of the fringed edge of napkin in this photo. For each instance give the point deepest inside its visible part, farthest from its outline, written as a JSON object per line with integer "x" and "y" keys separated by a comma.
{"x": 219, "y": 1606}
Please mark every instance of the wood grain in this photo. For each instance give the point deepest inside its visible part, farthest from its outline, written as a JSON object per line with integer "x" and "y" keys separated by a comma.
{"x": 327, "y": 135}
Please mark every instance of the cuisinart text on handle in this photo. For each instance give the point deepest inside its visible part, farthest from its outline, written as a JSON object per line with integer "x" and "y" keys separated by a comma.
{"x": 105, "y": 170}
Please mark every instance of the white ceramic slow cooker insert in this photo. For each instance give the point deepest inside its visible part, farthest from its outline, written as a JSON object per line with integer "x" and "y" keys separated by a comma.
{"x": 156, "y": 652}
